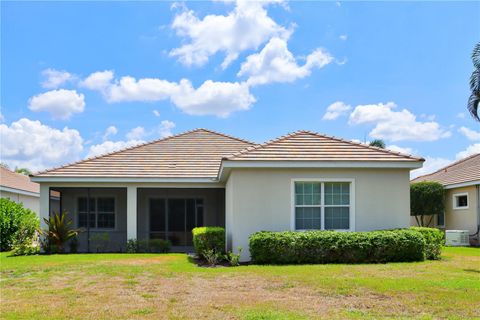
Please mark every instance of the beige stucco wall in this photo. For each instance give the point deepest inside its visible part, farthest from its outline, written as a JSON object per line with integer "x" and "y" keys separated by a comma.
{"x": 261, "y": 199}
{"x": 30, "y": 202}
{"x": 461, "y": 219}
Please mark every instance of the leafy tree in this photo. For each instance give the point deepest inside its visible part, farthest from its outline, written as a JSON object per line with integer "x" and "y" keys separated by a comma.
{"x": 379, "y": 143}
{"x": 426, "y": 199}
{"x": 24, "y": 171}
{"x": 16, "y": 223}
{"x": 4, "y": 165}
{"x": 474, "y": 99}
{"x": 59, "y": 232}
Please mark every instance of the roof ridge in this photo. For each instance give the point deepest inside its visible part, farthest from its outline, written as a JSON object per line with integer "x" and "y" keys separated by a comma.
{"x": 388, "y": 151}
{"x": 117, "y": 151}
{"x": 295, "y": 133}
{"x": 263, "y": 145}
{"x": 448, "y": 166}
{"x": 225, "y": 135}
{"x": 142, "y": 145}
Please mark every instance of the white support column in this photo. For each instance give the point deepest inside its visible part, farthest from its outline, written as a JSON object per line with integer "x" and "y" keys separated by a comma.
{"x": 44, "y": 204}
{"x": 131, "y": 212}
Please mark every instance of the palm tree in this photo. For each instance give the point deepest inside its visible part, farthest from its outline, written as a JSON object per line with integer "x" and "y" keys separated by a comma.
{"x": 24, "y": 171}
{"x": 474, "y": 99}
{"x": 59, "y": 231}
{"x": 379, "y": 143}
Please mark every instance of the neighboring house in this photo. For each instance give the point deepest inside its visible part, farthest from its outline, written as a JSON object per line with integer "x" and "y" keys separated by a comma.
{"x": 19, "y": 188}
{"x": 164, "y": 188}
{"x": 462, "y": 201}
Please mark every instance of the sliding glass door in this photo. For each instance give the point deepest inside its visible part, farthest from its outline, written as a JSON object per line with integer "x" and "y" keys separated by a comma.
{"x": 174, "y": 219}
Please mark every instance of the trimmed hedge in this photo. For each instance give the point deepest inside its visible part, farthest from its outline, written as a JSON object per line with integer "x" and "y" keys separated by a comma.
{"x": 208, "y": 238}
{"x": 291, "y": 247}
{"x": 434, "y": 241}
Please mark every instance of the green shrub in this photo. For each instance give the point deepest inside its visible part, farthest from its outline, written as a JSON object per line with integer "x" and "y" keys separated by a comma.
{"x": 148, "y": 246}
{"x": 159, "y": 246}
{"x": 153, "y": 246}
{"x": 15, "y": 222}
{"x": 234, "y": 258}
{"x": 59, "y": 232}
{"x": 336, "y": 247}
{"x": 132, "y": 246}
{"x": 208, "y": 238}
{"x": 434, "y": 241}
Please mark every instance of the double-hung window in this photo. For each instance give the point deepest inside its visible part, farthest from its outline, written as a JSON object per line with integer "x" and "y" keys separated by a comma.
{"x": 322, "y": 205}
{"x": 102, "y": 212}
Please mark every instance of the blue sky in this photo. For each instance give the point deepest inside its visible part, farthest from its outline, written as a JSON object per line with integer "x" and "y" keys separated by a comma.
{"x": 79, "y": 79}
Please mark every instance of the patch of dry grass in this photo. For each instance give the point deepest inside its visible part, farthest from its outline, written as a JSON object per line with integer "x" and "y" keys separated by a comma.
{"x": 170, "y": 287}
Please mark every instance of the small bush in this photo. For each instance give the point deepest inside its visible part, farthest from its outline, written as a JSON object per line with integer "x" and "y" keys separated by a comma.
{"x": 148, "y": 246}
{"x": 159, "y": 245}
{"x": 212, "y": 257}
{"x": 73, "y": 244}
{"x": 16, "y": 223}
{"x": 234, "y": 258}
{"x": 434, "y": 241}
{"x": 208, "y": 238}
{"x": 336, "y": 247}
{"x": 132, "y": 246}
{"x": 153, "y": 246}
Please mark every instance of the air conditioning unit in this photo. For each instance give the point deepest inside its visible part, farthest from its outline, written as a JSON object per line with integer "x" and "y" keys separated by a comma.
{"x": 457, "y": 238}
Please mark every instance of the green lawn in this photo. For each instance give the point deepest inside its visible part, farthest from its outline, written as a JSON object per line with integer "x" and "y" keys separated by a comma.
{"x": 154, "y": 286}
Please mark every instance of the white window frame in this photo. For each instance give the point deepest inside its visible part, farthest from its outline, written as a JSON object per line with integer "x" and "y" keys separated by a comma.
{"x": 322, "y": 201}
{"x": 96, "y": 212}
{"x": 454, "y": 199}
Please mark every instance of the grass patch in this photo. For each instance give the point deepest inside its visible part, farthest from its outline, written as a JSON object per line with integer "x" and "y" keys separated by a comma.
{"x": 154, "y": 286}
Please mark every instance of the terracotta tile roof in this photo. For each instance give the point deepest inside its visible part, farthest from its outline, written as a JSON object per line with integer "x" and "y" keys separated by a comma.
{"x": 310, "y": 146}
{"x": 462, "y": 171}
{"x": 17, "y": 181}
{"x": 193, "y": 154}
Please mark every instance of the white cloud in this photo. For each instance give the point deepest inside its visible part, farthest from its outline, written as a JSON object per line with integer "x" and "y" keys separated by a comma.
{"x": 147, "y": 89}
{"x": 55, "y": 78}
{"x": 343, "y": 37}
{"x": 60, "y": 103}
{"x": 211, "y": 98}
{"x": 111, "y": 146}
{"x": 111, "y": 131}
{"x": 470, "y": 134}
{"x": 471, "y": 150}
{"x": 275, "y": 63}
{"x": 165, "y": 128}
{"x": 461, "y": 115}
{"x": 99, "y": 80}
{"x": 246, "y": 27}
{"x": 156, "y": 113}
{"x": 400, "y": 149}
{"x": 133, "y": 138}
{"x": 396, "y": 125}
{"x": 430, "y": 165}
{"x": 336, "y": 110}
{"x": 136, "y": 133}
{"x": 31, "y": 144}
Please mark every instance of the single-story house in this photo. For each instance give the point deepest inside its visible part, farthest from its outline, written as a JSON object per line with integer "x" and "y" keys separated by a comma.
{"x": 461, "y": 181}
{"x": 299, "y": 181}
{"x": 19, "y": 188}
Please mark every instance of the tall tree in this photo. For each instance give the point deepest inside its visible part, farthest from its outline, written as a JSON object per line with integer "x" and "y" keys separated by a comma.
{"x": 379, "y": 143}
{"x": 24, "y": 171}
{"x": 474, "y": 99}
